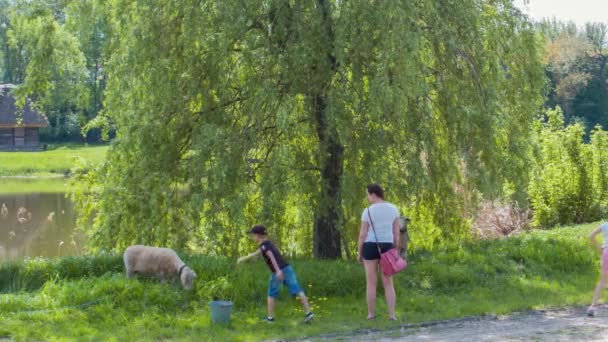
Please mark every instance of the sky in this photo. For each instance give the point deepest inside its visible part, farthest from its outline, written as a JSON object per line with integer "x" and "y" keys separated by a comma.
{"x": 579, "y": 11}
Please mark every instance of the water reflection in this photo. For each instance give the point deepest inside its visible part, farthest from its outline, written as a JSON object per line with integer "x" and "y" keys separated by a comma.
{"x": 37, "y": 224}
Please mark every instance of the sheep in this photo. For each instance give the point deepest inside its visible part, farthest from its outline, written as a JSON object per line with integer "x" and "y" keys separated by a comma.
{"x": 160, "y": 262}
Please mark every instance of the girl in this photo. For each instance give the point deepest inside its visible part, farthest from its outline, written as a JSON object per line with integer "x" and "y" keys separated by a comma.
{"x": 604, "y": 271}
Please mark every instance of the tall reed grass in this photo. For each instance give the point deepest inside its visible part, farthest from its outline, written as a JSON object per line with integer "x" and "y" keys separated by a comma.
{"x": 549, "y": 254}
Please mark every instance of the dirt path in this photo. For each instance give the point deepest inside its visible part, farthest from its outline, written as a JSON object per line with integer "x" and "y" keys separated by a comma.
{"x": 551, "y": 325}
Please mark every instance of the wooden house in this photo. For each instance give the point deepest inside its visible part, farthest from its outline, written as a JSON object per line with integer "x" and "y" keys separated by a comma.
{"x": 19, "y": 127}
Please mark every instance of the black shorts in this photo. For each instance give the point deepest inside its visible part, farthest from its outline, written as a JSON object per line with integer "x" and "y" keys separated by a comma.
{"x": 370, "y": 250}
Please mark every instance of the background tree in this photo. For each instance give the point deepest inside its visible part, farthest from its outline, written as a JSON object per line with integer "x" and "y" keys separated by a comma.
{"x": 54, "y": 70}
{"x": 576, "y": 61}
{"x": 53, "y": 50}
{"x": 88, "y": 23}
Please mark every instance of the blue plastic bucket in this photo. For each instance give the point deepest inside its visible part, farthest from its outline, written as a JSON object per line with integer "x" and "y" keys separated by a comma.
{"x": 221, "y": 311}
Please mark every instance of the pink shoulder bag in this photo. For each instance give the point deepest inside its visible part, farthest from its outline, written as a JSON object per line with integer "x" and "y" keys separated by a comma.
{"x": 390, "y": 261}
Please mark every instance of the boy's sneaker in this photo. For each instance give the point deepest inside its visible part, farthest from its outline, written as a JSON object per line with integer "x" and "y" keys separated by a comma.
{"x": 269, "y": 319}
{"x": 309, "y": 316}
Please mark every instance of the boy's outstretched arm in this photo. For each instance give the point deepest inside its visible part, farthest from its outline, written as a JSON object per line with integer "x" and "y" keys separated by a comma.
{"x": 249, "y": 256}
{"x": 593, "y": 238}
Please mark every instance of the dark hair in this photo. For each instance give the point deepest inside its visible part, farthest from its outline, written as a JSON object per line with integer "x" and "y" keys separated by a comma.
{"x": 375, "y": 189}
{"x": 258, "y": 229}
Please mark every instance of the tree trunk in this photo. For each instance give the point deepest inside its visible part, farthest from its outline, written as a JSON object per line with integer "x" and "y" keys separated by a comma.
{"x": 326, "y": 241}
{"x": 326, "y": 236}
{"x": 8, "y": 75}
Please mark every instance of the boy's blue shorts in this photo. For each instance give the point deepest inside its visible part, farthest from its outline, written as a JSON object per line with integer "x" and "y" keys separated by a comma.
{"x": 290, "y": 281}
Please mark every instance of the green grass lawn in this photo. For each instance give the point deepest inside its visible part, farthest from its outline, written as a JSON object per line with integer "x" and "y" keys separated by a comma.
{"x": 88, "y": 298}
{"x": 56, "y": 161}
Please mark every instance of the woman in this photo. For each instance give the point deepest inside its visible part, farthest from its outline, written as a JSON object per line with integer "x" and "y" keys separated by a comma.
{"x": 385, "y": 219}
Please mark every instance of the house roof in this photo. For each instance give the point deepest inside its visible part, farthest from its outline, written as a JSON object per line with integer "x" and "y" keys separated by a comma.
{"x": 9, "y": 109}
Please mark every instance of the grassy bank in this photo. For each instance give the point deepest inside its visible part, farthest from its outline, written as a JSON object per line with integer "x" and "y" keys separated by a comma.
{"x": 33, "y": 185}
{"x": 88, "y": 297}
{"x": 57, "y": 161}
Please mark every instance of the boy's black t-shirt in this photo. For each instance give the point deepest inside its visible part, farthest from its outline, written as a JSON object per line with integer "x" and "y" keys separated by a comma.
{"x": 269, "y": 246}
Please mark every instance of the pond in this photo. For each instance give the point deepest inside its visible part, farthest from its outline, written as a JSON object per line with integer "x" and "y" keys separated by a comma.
{"x": 38, "y": 221}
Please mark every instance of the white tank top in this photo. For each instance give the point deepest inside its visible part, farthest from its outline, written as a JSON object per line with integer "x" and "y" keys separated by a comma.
{"x": 383, "y": 215}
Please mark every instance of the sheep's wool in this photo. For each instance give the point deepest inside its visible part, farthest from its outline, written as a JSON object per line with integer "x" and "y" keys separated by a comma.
{"x": 162, "y": 263}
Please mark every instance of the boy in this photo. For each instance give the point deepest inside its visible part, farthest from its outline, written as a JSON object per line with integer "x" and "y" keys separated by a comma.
{"x": 282, "y": 273}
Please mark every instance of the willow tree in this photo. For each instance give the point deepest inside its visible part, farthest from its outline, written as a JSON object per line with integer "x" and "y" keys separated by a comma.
{"x": 233, "y": 112}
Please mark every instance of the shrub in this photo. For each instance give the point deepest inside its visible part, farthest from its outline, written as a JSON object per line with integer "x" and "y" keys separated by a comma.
{"x": 496, "y": 219}
{"x": 568, "y": 179}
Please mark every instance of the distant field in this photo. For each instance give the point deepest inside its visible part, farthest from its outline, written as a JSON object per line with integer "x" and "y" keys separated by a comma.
{"x": 33, "y": 185}
{"x": 54, "y": 162}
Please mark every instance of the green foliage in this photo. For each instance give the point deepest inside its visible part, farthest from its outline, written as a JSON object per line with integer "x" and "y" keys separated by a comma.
{"x": 78, "y": 297}
{"x": 230, "y": 113}
{"x": 568, "y": 182}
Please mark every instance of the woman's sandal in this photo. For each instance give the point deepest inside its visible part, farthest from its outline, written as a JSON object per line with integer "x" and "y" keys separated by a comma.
{"x": 371, "y": 318}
